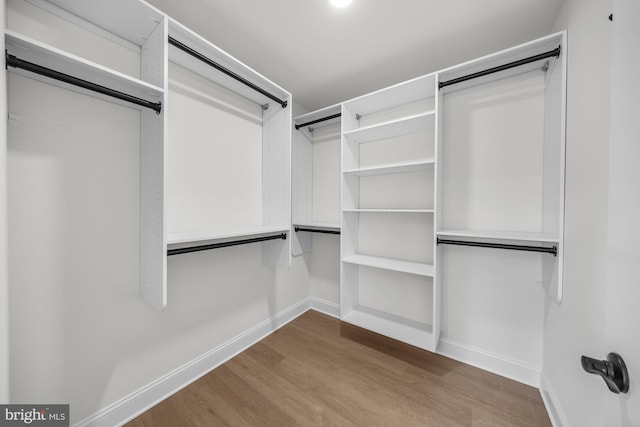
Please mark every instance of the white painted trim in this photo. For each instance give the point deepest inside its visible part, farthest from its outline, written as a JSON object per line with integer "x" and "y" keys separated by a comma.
{"x": 146, "y": 397}
{"x": 489, "y": 361}
{"x": 326, "y": 307}
{"x": 551, "y": 403}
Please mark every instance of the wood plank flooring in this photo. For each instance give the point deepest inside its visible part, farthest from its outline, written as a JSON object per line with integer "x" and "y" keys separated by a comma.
{"x": 318, "y": 371}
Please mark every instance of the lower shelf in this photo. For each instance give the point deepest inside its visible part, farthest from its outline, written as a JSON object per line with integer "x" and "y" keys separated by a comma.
{"x": 414, "y": 333}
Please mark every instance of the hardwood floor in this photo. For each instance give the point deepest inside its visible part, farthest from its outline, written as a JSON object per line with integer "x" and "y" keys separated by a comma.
{"x": 318, "y": 371}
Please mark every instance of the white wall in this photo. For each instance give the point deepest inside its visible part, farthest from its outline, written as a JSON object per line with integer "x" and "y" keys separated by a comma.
{"x": 324, "y": 268}
{"x": 4, "y": 284}
{"x": 80, "y": 334}
{"x": 575, "y": 326}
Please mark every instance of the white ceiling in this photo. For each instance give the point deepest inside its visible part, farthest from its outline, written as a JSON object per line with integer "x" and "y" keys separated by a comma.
{"x": 324, "y": 55}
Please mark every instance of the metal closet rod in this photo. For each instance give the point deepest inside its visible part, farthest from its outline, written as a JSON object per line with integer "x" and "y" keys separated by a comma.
{"x": 179, "y": 251}
{"x": 555, "y": 52}
{"x": 552, "y": 250}
{"x": 13, "y": 61}
{"x": 316, "y": 230}
{"x": 313, "y": 122}
{"x": 225, "y": 70}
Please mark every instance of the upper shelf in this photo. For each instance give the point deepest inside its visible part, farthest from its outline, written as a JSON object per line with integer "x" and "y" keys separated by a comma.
{"x": 393, "y": 128}
{"x": 203, "y": 47}
{"x": 388, "y": 98}
{"x": 514, "y": 236}
{"x": 135, "y": 25}
{"x": 498, "y": 59}
{"x": 41, "y": 54}
{"x": 202, "y": 236}
{"x": 331, "y": 111}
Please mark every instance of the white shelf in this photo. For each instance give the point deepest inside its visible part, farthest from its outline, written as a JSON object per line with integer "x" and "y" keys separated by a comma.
{"x": 222, "y": 58}
{"x": 500, "y": 235}
{"x": 135, "y": 25}
{"x": 211, "y": 235}
{"x": 413, "y": 333}
{"x": 500, "y": 58}
{"x": 390, "y": 210}
{"x": 390, "y": 169}
{"x": 331, "y": 226}
{"x": 400, "y": 127}
{"x": 320, "y": 114}
{"x": 391, "y": 97}
{"x": 417, "y": 268}
{"x": 41, "y": 54}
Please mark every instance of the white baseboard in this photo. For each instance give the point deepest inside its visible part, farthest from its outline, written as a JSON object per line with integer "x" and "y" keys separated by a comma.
{"x": 146, "y": 397}
{"x": 489, "y": 361}
{"x": 550, "y": 399}
{"x": 327, "y": 307}
{"x": 141, "y": 400}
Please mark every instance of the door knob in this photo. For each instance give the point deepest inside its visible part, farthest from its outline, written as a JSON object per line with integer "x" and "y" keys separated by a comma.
{"x": 613, "y": 371}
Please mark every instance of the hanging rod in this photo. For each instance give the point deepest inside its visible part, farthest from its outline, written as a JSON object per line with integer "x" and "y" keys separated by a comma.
{"x": 15, "y": 62}
{"x": 555, "y": 52}
{"x": 316, "y": 230}
{"x": 552, "y": 250}
{"x": 225, "y": 70}
{"x": 179, "y": 251}
{"x": 313, "y": 122}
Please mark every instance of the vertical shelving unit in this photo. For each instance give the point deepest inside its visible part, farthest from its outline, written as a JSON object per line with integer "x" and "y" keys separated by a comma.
{"x": 388, "y": 213}
{"x": 514, "y": 197}
{"x": 144, "y": 32}
{"x": 316, "y": 176}
{"x": 272, "y": 202}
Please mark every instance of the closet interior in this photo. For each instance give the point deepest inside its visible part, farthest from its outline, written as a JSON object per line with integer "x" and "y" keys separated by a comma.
{"x": 316, "y": 173}
{"x": 429, "y": 186}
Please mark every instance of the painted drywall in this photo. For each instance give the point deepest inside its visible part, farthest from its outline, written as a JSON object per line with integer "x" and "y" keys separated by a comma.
{"x": 576, "y": 326}
{"x": 623, "y": 268}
